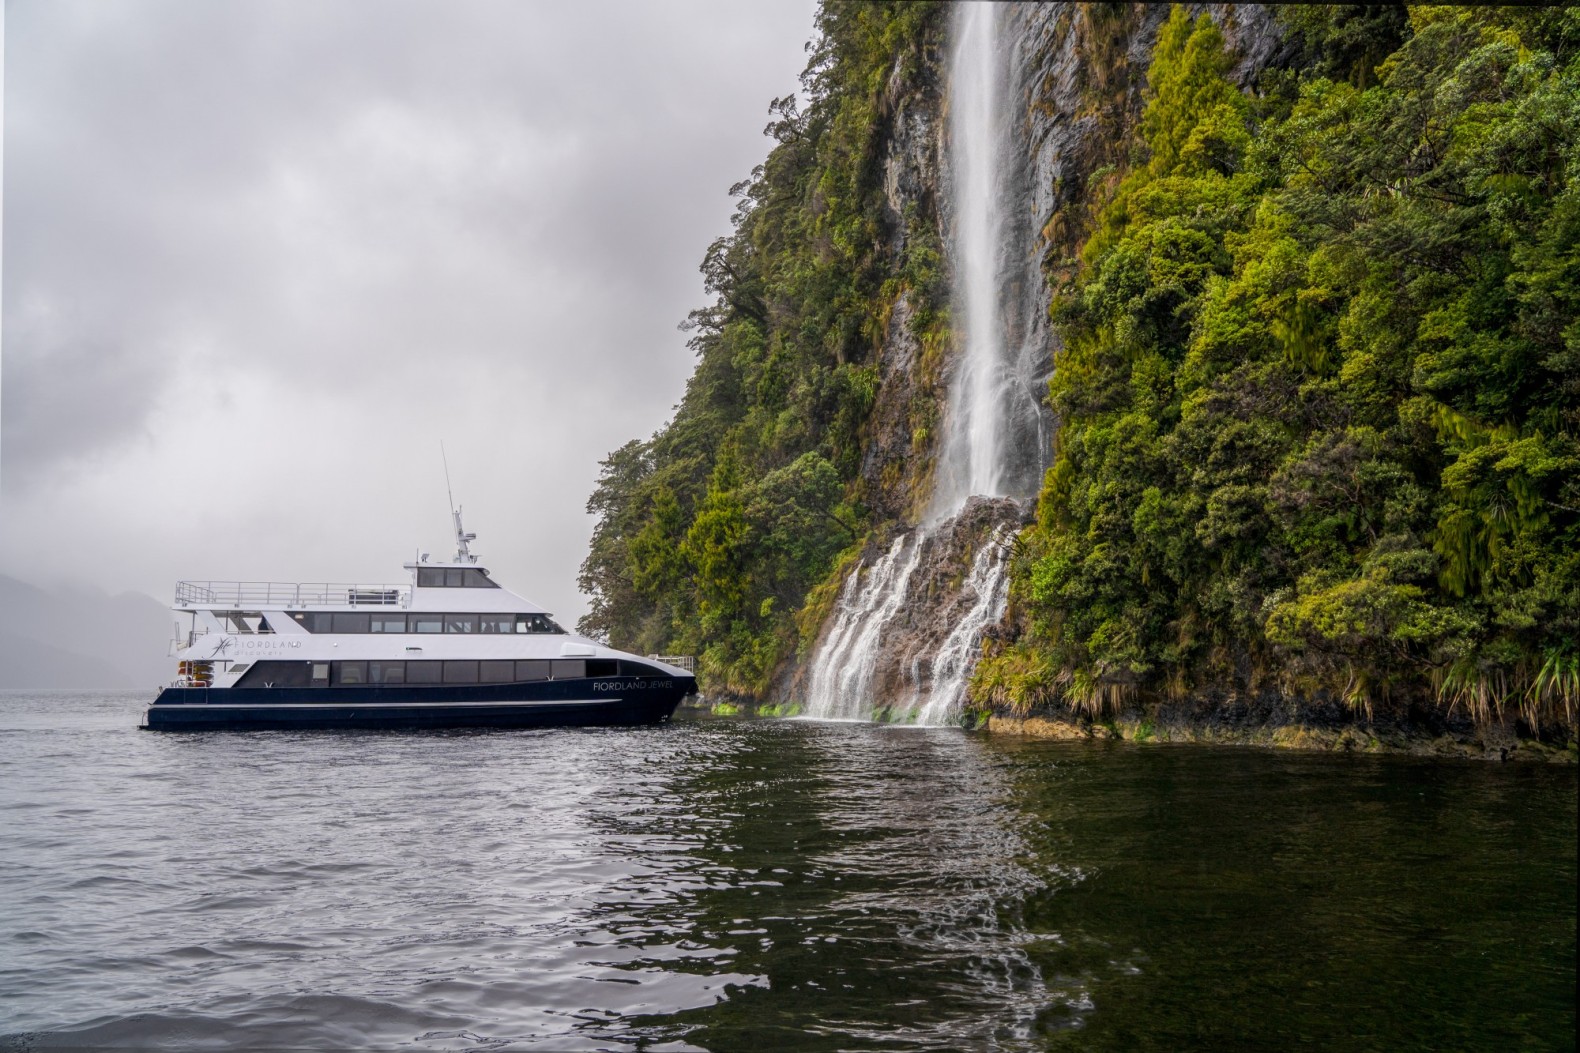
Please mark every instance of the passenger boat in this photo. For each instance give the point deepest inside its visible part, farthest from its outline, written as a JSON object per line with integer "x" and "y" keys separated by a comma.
{"x": 449, "y": 648}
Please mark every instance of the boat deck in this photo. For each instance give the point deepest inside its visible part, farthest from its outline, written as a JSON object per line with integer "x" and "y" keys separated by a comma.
{"x": 226, "y": 594}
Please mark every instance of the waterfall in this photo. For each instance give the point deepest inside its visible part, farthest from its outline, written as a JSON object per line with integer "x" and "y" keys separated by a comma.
{"x": 989, "y": 583}
{"x": 972, "y": 459}
{"x": 994, "y": 436}
{"x": 841, "y": 684}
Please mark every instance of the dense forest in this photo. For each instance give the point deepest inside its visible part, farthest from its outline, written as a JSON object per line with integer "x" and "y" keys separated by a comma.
{"x": 1318, "y": 385}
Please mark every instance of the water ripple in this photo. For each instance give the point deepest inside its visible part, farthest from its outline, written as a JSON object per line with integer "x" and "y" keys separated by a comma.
{"x": 763, "y": 884}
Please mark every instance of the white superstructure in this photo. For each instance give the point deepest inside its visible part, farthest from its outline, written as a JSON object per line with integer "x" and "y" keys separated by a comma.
{"x": 448, "y": 623}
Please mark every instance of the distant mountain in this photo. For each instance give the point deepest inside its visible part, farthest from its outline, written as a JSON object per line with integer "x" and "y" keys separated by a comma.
{"x": 81, "y": 638}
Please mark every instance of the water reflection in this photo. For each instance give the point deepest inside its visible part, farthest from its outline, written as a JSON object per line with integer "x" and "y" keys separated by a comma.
{"x": 868, "y": 875}
{"x": 759, "y": 884}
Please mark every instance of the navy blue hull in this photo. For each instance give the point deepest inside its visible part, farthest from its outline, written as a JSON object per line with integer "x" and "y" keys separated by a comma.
{"x": 546, "y": 703}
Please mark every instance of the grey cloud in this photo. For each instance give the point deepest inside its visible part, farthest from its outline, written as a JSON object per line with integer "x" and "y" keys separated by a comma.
{"x": 338, "y": 203}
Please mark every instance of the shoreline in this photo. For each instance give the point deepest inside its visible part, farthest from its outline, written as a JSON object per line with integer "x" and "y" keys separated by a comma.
{"x": 1497, "y": 743}
{"x": 1320, "y": 730}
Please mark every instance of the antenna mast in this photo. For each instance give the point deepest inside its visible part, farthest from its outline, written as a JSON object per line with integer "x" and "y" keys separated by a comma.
{"x": 463, "y": 551}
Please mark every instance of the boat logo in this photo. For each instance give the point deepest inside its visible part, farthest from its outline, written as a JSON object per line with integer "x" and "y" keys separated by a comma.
{"x": 229, "y": 643}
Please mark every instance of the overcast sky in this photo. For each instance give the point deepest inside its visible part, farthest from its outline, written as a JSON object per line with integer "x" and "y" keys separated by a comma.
{"x": 260, "y": 258}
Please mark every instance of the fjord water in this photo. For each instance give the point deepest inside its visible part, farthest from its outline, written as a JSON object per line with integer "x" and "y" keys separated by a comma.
{"x": 728, "y": 885}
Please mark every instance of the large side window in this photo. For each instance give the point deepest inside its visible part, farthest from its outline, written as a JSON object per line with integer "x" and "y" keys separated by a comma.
{"x": 389, "y": 623}
{"x": 454, "y": 578}
{"x": 496, "y": 672}
{"x": 244, "y": 622}
{"x": 423, "y": 672}
{"x": 350, "y": 623}
{"x": 460, "y": 623}
{"x": 386, "y": 672}
{"x": 536, "y": 623}
{"x": 568, "y": 668}
{"x": 496, "y": 623}
{"x": 314, "y": 621}
{"x": 532, "y": 669}
{"x": 276, "y": 674}
{"x": 348, "y": 674}
{"x": 426, "y": 623}
{"x": 460, "y": 672}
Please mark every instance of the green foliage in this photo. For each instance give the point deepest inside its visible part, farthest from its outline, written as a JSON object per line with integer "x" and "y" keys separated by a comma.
{"x": 711, "y": 534}
{"x": 1320, "y": 385}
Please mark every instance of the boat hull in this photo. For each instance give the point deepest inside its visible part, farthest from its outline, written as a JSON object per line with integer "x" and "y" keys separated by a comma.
{"x": 551, "y": 703}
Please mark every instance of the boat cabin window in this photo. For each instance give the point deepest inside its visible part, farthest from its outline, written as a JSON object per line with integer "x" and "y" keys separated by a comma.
{"x": 281, "y": 674}
{"x": 532, "y": 669}
{"x": 357, "y": 622}
{"x": 422, "y": 672}
{"x": 496, "y": 672}
{"x": 347, "y": 674}
{"x": 453, "y": 578}
{"x": 350, "y": 623}
{"x": 248, "y": 622}
{"x": 353, "y": 674}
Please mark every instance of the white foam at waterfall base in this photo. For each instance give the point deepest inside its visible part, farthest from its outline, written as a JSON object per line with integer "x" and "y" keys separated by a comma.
{"x": 989, "y": 583}
{"x": 840, "y": 685}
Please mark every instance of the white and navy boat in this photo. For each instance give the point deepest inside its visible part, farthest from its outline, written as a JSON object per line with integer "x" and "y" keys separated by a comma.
{"x": 449, "y": 648}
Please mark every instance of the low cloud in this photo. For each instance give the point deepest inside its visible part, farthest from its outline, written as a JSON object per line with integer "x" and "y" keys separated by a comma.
{"x": 331, "y": 235}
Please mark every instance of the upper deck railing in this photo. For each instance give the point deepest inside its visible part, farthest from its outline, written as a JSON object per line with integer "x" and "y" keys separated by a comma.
{"x": 289, "y": 594}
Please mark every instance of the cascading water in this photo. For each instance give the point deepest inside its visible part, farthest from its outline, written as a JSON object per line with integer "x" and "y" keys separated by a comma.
{"x": 971, "y": 461}
{"x": 841, "y": 681}
{"x": 989, "y": 581}
{"x": 995, "y": 429}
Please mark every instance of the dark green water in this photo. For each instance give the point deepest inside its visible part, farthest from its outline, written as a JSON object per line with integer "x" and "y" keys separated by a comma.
{"x": 765, "y": 885}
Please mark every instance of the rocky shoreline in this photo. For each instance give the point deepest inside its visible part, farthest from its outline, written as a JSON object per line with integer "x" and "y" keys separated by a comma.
{"x": 1321, "y": 728}
{"x": 1452, "y": 740}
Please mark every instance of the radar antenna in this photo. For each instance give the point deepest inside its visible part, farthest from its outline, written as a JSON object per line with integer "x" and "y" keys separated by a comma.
{"x": 463, "y": 551}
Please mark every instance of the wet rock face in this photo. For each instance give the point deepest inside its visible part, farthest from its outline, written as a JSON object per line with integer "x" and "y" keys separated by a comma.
{"x": 893, "y": 470}
{"x": 896, "y": 464}
{"x": 904, "y": 634}
{"x": 940, "y": 596}
{"x": 1076, "y": 74}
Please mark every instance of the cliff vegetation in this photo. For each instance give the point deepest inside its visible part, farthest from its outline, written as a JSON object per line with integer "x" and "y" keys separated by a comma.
{"x": 1318, "y": 377}
{"x": 1318, "y": 388}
